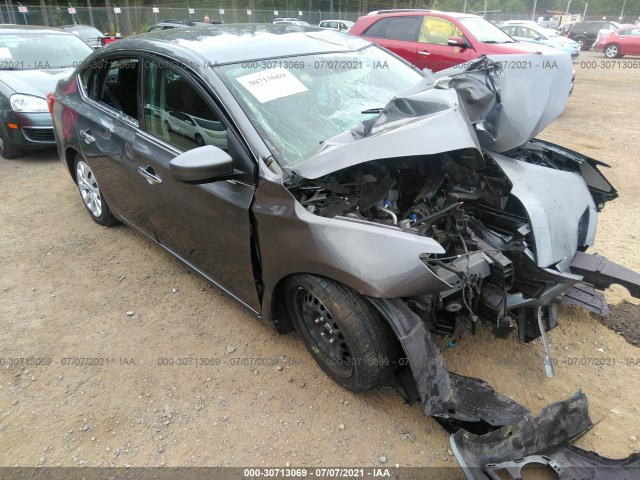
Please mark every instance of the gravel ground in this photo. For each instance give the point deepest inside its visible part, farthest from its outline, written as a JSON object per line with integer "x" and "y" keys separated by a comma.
{"x": 69, "y": 288}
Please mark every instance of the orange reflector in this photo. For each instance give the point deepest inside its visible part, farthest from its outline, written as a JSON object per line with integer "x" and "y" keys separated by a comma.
{"x": 13, "y": 125}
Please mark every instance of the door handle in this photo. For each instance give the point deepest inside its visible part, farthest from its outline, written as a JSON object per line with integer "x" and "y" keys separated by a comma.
{"x": 148, "y": 173}
{"x": 88, "y": 138}
{"x": 424, "y": 53}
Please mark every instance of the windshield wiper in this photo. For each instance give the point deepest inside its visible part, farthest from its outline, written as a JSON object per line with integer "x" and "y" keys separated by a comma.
{"x": 369, "y": 111}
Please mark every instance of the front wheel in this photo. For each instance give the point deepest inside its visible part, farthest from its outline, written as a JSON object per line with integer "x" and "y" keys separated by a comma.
{"x": 7, "y": 149}
{"x": 91, "y": 195}
{"x": 612, "y": 51}
{"x": 346, "y": 336}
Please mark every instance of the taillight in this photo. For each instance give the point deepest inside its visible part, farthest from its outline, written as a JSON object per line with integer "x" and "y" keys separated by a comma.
{"x": 51, "y": 99}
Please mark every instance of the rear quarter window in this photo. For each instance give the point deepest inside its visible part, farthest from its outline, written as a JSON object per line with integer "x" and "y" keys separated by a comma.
{"x": 377, "y": 29}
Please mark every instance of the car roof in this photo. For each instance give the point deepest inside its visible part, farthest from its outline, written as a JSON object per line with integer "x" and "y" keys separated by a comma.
{"x": 230, "y": 43}
{"x": 419, "y": 12}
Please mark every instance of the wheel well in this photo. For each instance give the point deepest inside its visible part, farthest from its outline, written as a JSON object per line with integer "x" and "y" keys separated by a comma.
{"x": 279, "y": 317}
{"x": 69, "y": 157}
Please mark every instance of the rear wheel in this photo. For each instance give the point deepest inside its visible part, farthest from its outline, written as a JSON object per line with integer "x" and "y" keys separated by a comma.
{"x": 612, "y": 51}
{"x": 199, "y": 139}
{"x": 582, "y": 42}
{"x": 348, "y": 338}
{"x": 7, "y": 149}
{"x": 91, "y": 195}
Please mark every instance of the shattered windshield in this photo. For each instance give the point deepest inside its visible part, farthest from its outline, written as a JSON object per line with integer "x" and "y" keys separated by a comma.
{"x": 297, "y": 103}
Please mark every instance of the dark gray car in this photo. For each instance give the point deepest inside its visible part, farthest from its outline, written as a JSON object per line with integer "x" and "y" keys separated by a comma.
{"x": 32, "y": 60}
{"x": 353, "y": 199}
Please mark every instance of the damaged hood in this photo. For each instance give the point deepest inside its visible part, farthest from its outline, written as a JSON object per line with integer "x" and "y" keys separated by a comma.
{"x": 500, "y": 103}
{"x": 512, "y": 98}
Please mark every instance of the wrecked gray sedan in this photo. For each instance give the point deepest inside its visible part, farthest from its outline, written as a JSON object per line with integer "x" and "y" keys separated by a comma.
{"x": 333, "y": 189}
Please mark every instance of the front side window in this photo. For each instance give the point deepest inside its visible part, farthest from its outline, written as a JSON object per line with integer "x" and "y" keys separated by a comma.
{"x": 175, "y": 112}
{"x": 300, "y": 102}
{"x": 438, "y": 31}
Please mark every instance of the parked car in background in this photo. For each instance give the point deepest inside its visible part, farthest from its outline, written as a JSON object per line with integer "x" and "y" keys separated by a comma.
{"x": 586, "y": 33}
{"x": 299, "y": 23}
{"x": 32, "y": 60}
{"x": 88, "y": 34}
{"x": 177, "y": 23}
{"x": 436, "y": 40}
{"x": 549, "y": 32}
{"x": 340, "y": 25}
{"x": 539, "y": 36}
{"x": 618, "y": 43}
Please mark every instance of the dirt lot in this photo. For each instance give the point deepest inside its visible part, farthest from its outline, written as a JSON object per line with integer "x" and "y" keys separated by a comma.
{"x": 66, "y": 286}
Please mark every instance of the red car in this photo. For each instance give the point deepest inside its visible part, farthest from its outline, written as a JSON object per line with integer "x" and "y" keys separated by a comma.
{"x": 436, "y": 40}
{"x": 625, "y": 41}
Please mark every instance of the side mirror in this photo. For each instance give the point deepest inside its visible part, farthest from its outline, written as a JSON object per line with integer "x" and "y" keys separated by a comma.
{"x": 457, "y": 42}
{"x": 201, "y": 165}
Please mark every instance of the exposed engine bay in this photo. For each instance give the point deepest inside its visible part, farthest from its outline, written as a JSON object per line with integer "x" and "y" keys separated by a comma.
{"x": 505, "y": 221}
{"x": 463, "y": 201}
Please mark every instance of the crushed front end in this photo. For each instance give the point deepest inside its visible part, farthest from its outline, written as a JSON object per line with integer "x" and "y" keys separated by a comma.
{"x": 455, "y": 160}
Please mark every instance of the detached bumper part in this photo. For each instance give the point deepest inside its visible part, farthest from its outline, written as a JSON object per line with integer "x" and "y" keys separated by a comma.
{"x": 506, "y": 436}
{"x": 545, "y": 440}
{"x": 602, "y": 273}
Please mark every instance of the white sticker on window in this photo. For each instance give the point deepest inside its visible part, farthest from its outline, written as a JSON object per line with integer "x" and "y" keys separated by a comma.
{"x": 5, "y": 52}
{"x": 271, "y": 84}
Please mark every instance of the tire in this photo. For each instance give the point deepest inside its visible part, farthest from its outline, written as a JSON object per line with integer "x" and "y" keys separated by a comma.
{"x": 91, "y": 195}
{"x": 199, "y": 139}
{"x": 582, "y": 42}
{"x": 612, "y": 50}
{"x": 7, "y": 149}
{"x": 346, "y": 336}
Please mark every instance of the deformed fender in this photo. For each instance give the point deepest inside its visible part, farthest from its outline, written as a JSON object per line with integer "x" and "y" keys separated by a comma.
{"x": 449, "y": 397}
{"x": 425, "y": 360}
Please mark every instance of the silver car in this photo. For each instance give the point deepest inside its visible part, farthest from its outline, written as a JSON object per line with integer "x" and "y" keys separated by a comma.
{"x": 541, "y": 36}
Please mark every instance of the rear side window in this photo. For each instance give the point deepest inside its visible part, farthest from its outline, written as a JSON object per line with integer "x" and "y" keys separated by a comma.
{"x": 115, "y": 84}
{"x": 403, "y": 28}
{"x": 377, "y": 29}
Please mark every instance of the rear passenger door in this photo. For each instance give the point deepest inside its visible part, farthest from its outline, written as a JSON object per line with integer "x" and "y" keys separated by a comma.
{"x": 398, "y": 34}
{"x": 630, "y": 41}
{"x": 107, "y": 123}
